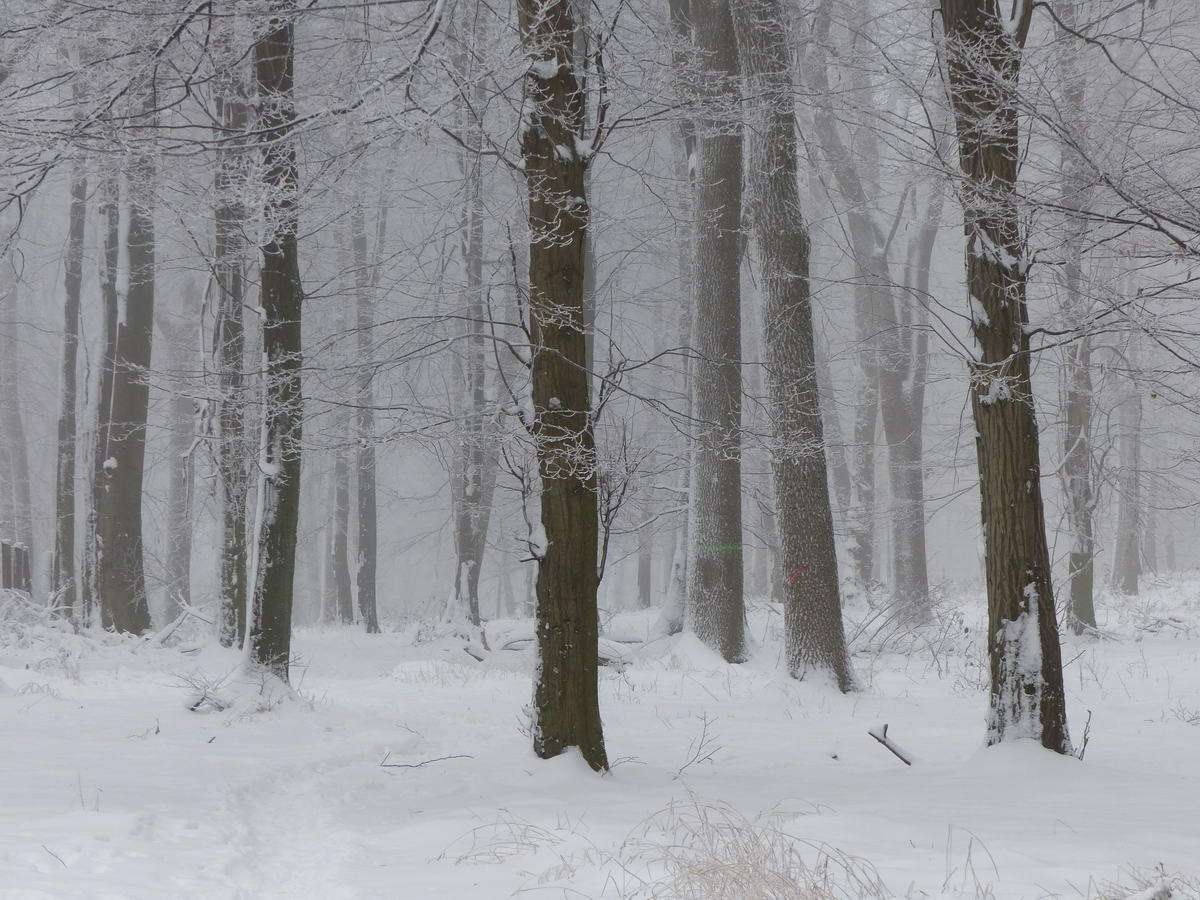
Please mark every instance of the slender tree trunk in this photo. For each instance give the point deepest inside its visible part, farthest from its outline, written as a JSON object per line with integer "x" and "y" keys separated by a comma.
{"x": 120, "y": 572}
{"x": 339, "y": 543}
{"x": 270, "y": 625}
{"x": 1127, "y": 565}
{"x": 229, "y": 343}
{"x": 109, "y": 213}
{"x": 813, "y": 631}
{"x": 716, "y": 607}
{"x": 1077, "y": 450}
{"x": 62, "y": 586}
{"x": 645, "y": 560}
{"x": 14, "y": 436}
{"x": 984, "y": 57}
{"x": 565, "y": 692}
{"x": 478, "y": 451}
{"x": 365, "y": 281}
{"x": 179, "y": 486}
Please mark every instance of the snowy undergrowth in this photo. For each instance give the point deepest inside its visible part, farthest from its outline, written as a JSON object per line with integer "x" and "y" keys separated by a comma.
{"x": 399, "y": 766}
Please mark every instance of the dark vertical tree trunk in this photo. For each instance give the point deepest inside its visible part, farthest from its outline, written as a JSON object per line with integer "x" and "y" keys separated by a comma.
{"x": 270, "y": 626}
{"x": 984, "y": 57}
{"x": 120, "y": 571}
{"x": 715, "y": 603}
{"x": 565, "y": 691}
{"x": 229, "y": 341}
{"x": 365, "y": 281}
{"x": 110, "y": 228}
{"x": 62, "y": 586}
{"x": 813, "y": 632}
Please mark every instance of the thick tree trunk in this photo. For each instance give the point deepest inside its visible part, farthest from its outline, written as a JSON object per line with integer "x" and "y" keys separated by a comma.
{"x": 120, "y": 571}
{"x": 565, "y": 691}
{"x": 814, "y": 635}
{"x": 270, "y": 625}
{"x": 984, "y": 57}
{"x": 715, "y": 603}
{"x": 62, "y": 586}
{"x": 365, "y": 281}
{"x": 232, "y": 451}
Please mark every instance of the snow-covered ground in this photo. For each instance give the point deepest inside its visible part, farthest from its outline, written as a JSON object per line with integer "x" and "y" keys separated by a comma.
{"x": 403, "y": 769}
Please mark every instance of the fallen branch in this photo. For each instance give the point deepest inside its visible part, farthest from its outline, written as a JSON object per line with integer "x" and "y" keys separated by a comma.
{"x": 384, "y": 764}
{"x": 880, "y": 734}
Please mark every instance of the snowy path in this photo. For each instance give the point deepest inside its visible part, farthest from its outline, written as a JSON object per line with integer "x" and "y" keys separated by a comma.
{"x": 293, "y": 802}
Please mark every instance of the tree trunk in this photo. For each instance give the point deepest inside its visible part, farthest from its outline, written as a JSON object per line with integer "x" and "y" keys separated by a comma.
{"x": 565, "y": 692}
{"x": 814, "y": 637}
{"x": 339, "y": 542}
{"x": 14, "y": 434}
{"x": 109, "y": 212}
{"x": 229, "y": 341}
{"x": 179, "y": 488}
{"x": 1077, "y": 450}
{"x": 270, "y": 625}
{"x": 645, "y": 559}
{"x": 1127, "y": 564}
{"x": 120, "y": 571}
{"x": 716, "y": 607}
{"x": 62, "y": 580}
{"x": 984, "y": 58}
{"x": 478, "y": 451}
{"x": 365, "y": 281}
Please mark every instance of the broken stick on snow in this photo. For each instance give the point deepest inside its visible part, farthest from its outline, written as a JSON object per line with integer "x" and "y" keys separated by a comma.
{"x": 879, "y": 732}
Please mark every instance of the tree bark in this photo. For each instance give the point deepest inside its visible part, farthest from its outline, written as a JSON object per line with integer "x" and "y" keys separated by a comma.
{"x": 120, "y": 571}
{"x": 565, "y": 691}
{"x": 109, "y": 213}
{"x": 814, "y": 636}
{"x": 366, "y": 500}
{"x": 232, "y": 452}
{"x": 14, "y": 436}
{"x": 715, "y": 602}
{"x": 63, "y": 587}
{"x": 270, "y": 625}
{"x": 984, "y": 57}
{"x": 1077, "y": 449}
{"x": 178, "y": 559}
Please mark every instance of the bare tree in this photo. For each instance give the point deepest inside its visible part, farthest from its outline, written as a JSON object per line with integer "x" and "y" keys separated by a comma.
{"x": 814, "y": 636}
{"x": 555, "y": 163}
{"x": 269, "y": 630}
{"x": 984, "y": 49}
{"x": 715, "y": 603}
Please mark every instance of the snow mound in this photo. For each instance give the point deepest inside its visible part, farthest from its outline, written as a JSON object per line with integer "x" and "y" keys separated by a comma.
{"x": 637, "y": 626}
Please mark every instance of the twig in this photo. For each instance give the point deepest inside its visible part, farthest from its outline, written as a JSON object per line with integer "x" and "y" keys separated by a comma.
{"x": 880, "y": 734}
{"x": 384, "y": 764}
{"x": 55, "y": 855}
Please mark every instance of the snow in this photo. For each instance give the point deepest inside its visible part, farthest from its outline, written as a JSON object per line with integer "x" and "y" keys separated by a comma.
{"x": 544, "y": 69}
{"x": 401, "y": 767}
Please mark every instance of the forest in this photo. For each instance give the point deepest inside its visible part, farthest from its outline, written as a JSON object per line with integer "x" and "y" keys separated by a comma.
{"x": 642, "y": 449}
